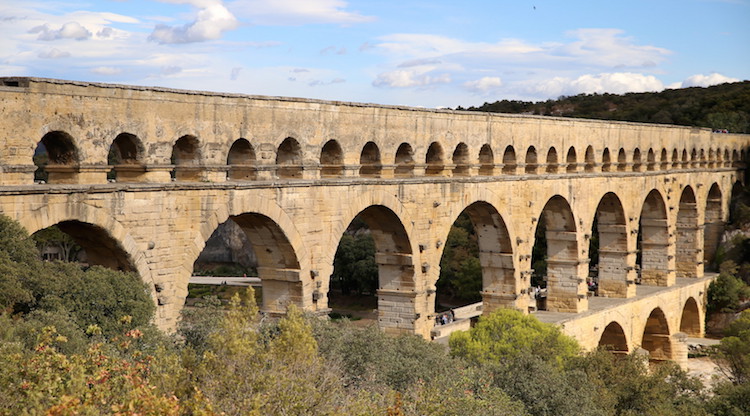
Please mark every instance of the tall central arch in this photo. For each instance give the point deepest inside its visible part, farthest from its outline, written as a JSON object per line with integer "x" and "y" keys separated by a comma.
{"x": 397, "y": 308}
{"x": 657, "y": 253}
{"x": 688, "y": 250}
{"x": 616, "y": 264}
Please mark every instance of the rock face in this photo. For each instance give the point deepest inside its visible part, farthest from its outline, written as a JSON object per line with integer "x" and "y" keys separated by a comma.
{"x": 227, "y": 245}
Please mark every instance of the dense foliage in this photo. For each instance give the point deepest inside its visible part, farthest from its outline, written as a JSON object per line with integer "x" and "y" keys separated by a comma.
{"x": 724, "y": 107}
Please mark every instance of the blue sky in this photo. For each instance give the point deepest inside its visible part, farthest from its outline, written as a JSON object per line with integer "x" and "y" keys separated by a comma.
{"x": 410, "y": 52}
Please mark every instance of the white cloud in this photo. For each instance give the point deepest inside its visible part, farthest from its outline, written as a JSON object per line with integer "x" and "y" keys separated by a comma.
{"x": 700, "y": 80}
{"x": 212, "y": 20}
{"x": 106, "y": 70}
{"x": 297, "y": 12}
{"x": 235, "y": 73}
{"x": 403, "y": 78}
{"x": 70, "y": 30}
{"x": 615, "y": 83}
{"x": 484, "y": 85}
{"x": 53, "y": 53}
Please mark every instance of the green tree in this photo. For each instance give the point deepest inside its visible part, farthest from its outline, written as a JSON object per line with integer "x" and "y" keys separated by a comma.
{"x": 54, "y": 237}
{"x": 733, "y": 353}
{"x": 354, "y": 267}
{"x": 506, "y": 333}
{"x": 726, "y": 292}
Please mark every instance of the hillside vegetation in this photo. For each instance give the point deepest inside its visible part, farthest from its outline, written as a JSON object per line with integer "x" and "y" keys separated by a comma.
{"x": 720, "y": 107}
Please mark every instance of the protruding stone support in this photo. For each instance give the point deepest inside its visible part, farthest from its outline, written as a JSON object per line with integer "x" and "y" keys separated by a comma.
{"x": 500, "y": 288}
{"x": 617, "y": 273}
{"x": 281, "y": 287}
{"x": 657, "y": 253}
{"x": 566, "y": 285}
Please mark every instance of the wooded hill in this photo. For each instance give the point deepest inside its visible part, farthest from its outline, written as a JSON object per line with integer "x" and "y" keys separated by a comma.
{"x": 720, "y": 107}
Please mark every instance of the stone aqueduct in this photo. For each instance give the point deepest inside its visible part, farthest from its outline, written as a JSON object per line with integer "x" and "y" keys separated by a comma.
{"x": 294, "y": 173}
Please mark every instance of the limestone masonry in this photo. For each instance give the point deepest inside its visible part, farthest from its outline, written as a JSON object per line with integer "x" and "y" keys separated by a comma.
{"x": 294, "y": 173}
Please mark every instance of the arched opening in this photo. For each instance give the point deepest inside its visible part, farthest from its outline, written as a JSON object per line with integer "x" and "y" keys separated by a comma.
{"x": 637, "y": 160}
{"x": 675, "y": 159}
{"x": 613, "y": 339}
{"x": 486, "y": 161}
{"x": 530, "y": 165}
{"x": 241, "y": 161}
{"x": 56, "y": 158}
{"x": 404, "y": 161}
{"x": 186, "y": 159}
{"x": 124, "y": 156}
{"x": 289, "y": 159}
{"x": 611, "y": 265}
{"x": 227, "y": 256}
{"x": 571, "y": 161}
{"x": 702, "y": 158}
{"x": 477, "y": 262}
{"x": 622, "y": 161}
{"x": 690, "y": 322}
{"x": 566, "y": 288}
{"x": 434, "y": 160}
{"x": 654, "y": 253}
{"x": 276, "y": 261}
{"x": 82, "y": 242}
{"x": 663, "y": 160}
{"x": 713, "y": 227}
{"x": 656, "y": 337}
{"x": 377, "y": 240}
{"x": 369, "y": 161}
{"x": 606, "y": 161}
{"x": 694, "y": 161}
{"x": 651, "y": 160}
{"x": 510, "y": 166}
{"x": 552, "y": 164}
{"x": 711, "y": 158}
{"x": 461, "y": 160}
{"x": 727, "y": 158}
{"x": 590, "y": 162}
{"x": 688, "y": 249}
{"x": 331, "y": 160}
{"x": 685, "y": 161}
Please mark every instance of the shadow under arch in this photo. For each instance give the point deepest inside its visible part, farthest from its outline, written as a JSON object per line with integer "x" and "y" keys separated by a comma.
{"x": 713, "y": 226}
{"x": 615, "y": 271}
{"x": 656, "y": 261}
{"x": 126, "y": 158}
{"x": 566, "y": 290}
{"x": 57, "y": 157}
{"x": 241, "y": 160}
{"x": 656, "y": 337}
{"x": 613, "y": 339}
{"x": 495, "y": 256}
{"x": 186, "y": 158}
{"x": 396, "y": 287}
{"x": 690, "y": 321}
{"x": 687, "y": 248}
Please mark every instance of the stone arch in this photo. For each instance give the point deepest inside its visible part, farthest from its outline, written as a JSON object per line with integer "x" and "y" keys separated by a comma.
{"x": 495, "y": 256}
{"x": 566, "y": 288}
{"x": 126, "y": 157}
{"x": 656, "y": 336}
{"x": 622, "y": 160}
{"x": 186, "y": 158}
{"x": 637, "y": 163}
{"x": 702, "y": 161}
{"x": 486, "y": 161}
{"x": 241, "y": 160}
{"x": 651, "y": 160}
{"x": 606, "y": 160}
{"x": 530, "y": 164}
{"x": 289, "y": 159}
{"x": 615, "y": 266}
{"x": 675, "y": 159}
{"x": 684, "y": 162}
{"x": 396, "y": 274}
{"x": 510, "y": 164}
{"x": 552, "y": 162}
{"x": 713, "y": 226}
{"x": 690, "y": 322}
{"x": 656, "y": 255}
{"x": 62, "y": 158}
{"x": 711, "y": 158}
{"x": 687, "y": 249}
{"x": 694, "y": 161}
{"x": 663, "y": 160}
{"x": 727, "y": 158}
{"x": 369, "y": 161}
{"x": 434, "y": 160}
{"x": 87, "y": 218}
{"x": 404, "y": 161}
{"x": 331, "y": 160}
{"x": 613, "y": 339}
{"x": 590, "y": 161}
{"x": 571, "y": 161}
{"x": 461, "y": 163}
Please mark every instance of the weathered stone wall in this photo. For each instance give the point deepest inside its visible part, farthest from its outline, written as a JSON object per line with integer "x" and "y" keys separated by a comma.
{"x": 298, "y": 193}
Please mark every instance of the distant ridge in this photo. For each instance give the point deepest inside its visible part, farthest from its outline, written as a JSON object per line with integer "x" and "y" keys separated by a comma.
{"x": 720, "y": 107}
